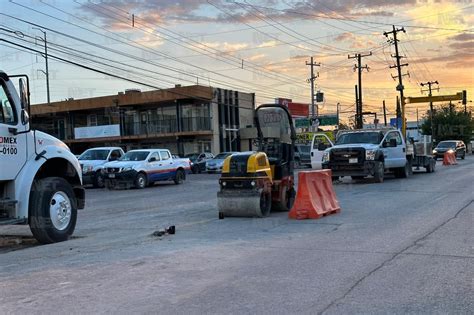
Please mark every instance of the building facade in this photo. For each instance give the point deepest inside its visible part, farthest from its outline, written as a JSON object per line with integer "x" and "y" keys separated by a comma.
{"x": 182, "y": 119}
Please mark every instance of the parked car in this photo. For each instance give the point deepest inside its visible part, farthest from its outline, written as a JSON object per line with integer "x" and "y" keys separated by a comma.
{"x": 198, "y": 161}
{"x": 141, "y": 168}
{"x": 302, "y": 155}
{"x": 92, "y": 161}
{"x": 456, "y": 146}
{"x": 215, "y": 165}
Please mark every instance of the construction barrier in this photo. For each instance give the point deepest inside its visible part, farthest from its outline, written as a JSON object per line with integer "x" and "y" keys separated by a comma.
{"x": 449, "y": 158}
{"x": 315, "y": 197}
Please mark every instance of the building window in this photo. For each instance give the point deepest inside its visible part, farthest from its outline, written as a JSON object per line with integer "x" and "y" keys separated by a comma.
{"x": 92, "y": 120}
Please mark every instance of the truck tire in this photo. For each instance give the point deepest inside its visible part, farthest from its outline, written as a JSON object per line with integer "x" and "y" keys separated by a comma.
{"x": 379, "y": 172}
{"x": 403, "y": 172}
{"x": 140, "y": 181}
{"x": 52, "y": 210}
{"x": 430, "y": 168}
{"x": 179, "y": 177}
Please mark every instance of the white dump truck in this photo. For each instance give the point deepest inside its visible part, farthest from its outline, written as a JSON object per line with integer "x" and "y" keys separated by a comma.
{"x": 40, "y": 179}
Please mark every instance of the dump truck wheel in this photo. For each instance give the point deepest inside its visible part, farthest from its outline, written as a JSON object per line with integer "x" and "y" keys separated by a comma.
{"x": 53, "y": 210}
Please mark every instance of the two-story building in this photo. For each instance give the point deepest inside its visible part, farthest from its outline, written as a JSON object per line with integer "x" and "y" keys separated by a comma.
{"x": 182, "y": 119}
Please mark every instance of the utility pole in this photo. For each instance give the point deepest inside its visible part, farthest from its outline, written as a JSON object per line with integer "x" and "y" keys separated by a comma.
{"x": 46, "y": 73}
{"x": 359, "y": 121}
{"x": 312, "y": 64}
{"x": 430, "y": 83}
{"x": 399, "y": 76}
{"x": 384, "y": 114}
{"x": 357, "y": 106}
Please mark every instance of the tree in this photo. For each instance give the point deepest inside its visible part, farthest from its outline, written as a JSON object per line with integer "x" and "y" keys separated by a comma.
{"x": 449, "y": 124}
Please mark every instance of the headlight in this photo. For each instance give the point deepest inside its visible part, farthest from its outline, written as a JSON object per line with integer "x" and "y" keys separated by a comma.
{"x": 326, "y": 157}
{"x": 87, "y": 168}
{"x": 370, "y": 155}
{"x": 252, "y": 183}
{"x": 224, "y": 183}
{"x": 450, "y": 151}
{"x": 125, "y": 169}
{"x": 434, "y": 151}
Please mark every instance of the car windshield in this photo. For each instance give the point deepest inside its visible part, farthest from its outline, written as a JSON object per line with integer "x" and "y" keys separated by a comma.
{"x": 221, "y": 156}
{"x": 448, "y": 144}
{"x": 360, "y": 137}
{"x": 94, "y": 155}
{"x": 135, "y": 156}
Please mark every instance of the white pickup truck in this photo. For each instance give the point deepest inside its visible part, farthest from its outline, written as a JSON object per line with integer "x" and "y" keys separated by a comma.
{"x": 93, "y": 160}
{"x": 360, "y": 153}
{"x": 141, "y": 168}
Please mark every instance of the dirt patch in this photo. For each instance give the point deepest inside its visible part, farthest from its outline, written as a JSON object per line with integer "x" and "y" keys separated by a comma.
{"x": 10, "y": 243}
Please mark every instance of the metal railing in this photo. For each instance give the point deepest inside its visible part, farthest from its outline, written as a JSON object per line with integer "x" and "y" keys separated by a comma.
{"x": 167, "y": 126}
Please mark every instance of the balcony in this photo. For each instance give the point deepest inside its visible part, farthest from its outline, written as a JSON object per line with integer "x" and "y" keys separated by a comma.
{"x": 167, "y": 126}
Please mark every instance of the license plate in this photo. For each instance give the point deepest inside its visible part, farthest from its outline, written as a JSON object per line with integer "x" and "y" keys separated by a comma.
{"x": 353, "y": 160}
{"x": 111, "y": 175}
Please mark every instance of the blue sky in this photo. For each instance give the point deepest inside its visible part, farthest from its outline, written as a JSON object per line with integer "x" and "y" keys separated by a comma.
{"x": 253, "y": 46}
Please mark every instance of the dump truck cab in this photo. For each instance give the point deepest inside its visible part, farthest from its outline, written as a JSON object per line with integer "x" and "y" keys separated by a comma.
{"x": 40, "y": 179}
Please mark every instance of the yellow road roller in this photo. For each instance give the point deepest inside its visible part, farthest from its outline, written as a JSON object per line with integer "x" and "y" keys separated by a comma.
{"x": 255, "y": 182}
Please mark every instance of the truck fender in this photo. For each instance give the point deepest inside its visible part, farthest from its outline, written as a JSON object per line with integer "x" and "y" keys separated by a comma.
{"x": 379, "y": 156}
{"x": 33, "y": 168}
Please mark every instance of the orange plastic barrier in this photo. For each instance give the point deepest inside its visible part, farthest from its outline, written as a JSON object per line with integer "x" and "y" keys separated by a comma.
{"x": 315, "y": 197}
{"x": 449, "y": 158}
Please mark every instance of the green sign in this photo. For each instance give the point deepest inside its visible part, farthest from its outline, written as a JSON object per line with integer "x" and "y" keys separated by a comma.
{"x": 327, "y": 120}
{"x": 302, "y": 123}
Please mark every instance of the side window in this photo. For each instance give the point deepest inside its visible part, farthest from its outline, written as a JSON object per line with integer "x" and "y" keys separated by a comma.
{"x": 394, "y": 135}
{"x": 399, "y": 138}
{"x": 164, "y": 155}
{"x": 155, "y": 155}
{"x": 115, "y": 155}
{"x": 7, "y": 113}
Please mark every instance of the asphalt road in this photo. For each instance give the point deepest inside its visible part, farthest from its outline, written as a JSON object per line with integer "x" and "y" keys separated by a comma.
{"x": 404, "y": 246}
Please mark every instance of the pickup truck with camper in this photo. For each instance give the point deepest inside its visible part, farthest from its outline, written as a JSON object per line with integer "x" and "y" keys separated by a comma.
{"x": 143, "y": 167}
{"x": 92, "y": 162}
{"x": 40, "y": 179}
{"x": 372, "y": 152}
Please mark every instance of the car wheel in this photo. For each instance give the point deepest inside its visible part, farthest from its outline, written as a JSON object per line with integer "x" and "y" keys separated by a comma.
{"x": 53, "y": 210}
{"x": 463, "y": 155}
{"x": 379, "y": 172}
{"x": 179, "y": 177}
{"x": 140, "y": 181}
{"x": 98, "y": 180}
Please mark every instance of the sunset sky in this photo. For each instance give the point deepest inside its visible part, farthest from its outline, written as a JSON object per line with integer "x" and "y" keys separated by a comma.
{"x": 251, "y": 46}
